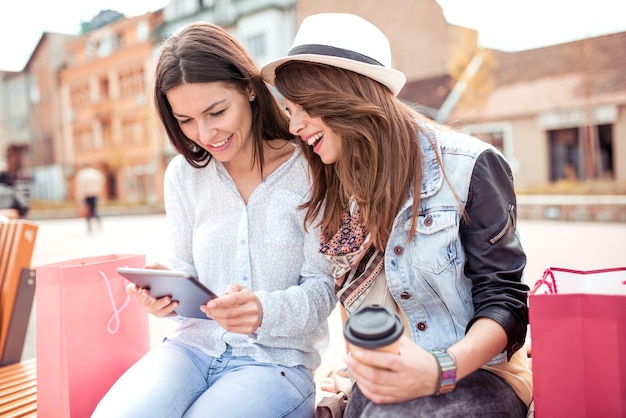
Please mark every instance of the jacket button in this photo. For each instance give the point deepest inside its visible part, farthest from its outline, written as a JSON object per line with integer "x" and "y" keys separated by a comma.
{"x": 421, "y": 326}
{"x": 398, "y": 250}
{"x": 428, "y": 221}
{"x": 405, "y": 295}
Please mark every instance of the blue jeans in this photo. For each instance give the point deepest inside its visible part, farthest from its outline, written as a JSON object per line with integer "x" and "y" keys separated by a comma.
{"x": 174, "y": 380}
{"x": 481, "y": 394}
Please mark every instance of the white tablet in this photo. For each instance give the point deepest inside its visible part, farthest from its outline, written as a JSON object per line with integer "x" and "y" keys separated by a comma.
{"x": 187, "y": 290}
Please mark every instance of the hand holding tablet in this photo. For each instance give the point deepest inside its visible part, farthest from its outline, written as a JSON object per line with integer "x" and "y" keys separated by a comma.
{"x": 186, "y": 290}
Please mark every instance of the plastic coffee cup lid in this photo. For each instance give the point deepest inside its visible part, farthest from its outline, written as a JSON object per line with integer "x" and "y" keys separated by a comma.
{"x": 373, "y": 327}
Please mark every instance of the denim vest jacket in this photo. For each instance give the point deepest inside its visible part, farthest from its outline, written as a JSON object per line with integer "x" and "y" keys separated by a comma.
{"x": 456, "y": 270}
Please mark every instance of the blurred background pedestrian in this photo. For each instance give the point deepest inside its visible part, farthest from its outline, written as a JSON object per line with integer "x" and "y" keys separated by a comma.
{"x": 89, "y": 183}
{"x": 12, "y": 205}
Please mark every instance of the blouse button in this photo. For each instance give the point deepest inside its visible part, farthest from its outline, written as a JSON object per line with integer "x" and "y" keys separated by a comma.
{"x": 421, "y": 326}
{"x": 428, "y": 221}
{"x": 398, "y": 250}
{"x": 405, "y": 295}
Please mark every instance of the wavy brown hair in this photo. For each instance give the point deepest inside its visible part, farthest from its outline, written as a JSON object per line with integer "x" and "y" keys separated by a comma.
{"x": 204, "y": 53}
{"x": 381, "y": 159}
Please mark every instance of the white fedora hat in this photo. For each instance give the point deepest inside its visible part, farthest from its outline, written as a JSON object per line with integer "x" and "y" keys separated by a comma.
{"x": 346, "y": 41}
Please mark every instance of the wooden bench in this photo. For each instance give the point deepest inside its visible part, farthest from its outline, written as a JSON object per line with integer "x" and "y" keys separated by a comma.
{"x": 18, "y": 379}
{"x": 18, "y": 389}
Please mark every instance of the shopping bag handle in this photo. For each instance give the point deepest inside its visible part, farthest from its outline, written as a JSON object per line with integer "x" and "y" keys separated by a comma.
{"x": 115, "y": 318}
{"x": 550, "y": 284}
{"x": 548, "y": 280}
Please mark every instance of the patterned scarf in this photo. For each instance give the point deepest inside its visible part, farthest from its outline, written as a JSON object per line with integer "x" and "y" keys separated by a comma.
{"x": 355, "y": 263}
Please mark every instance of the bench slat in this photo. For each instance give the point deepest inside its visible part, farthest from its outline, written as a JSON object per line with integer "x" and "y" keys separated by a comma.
{"x": 18, "y": 389}
{"x": 20, "y": 407}
{"x": 20, "y": 372}
{"x": 11, "y": 381}
{"x": 15, "y": 257}
{"x": 18, "y": 379}
{"x": 27, "y": 386}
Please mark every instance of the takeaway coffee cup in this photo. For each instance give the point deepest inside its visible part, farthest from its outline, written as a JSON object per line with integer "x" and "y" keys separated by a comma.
{"x": 374, "y": 327}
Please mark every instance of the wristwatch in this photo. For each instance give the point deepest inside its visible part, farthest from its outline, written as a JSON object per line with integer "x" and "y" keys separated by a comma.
{"x": 447, "y": 371}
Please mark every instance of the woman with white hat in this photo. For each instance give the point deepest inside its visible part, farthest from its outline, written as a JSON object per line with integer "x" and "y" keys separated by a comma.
{"x": 427, "y": 211}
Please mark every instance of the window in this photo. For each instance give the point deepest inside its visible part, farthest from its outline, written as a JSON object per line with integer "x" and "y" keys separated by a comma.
{"x": 90, "y": 48}
{"x": 605, "y": 145}
{"x": 83, "y": 138}
{"x": 104, "y": 88}
{"x": 133, "y": 132}
{"x": 143, "y": 31}
{"x": 34, "y": 91}
{"x": 257, "y": 45}
{"x": 79, "y": 96}
{"x": 47, "y": 151}
{"x": 106, "y": 46}
{"x": 106, "y": 134}
{"x": 495, "y": 138}
{"x": 120, "y": 41}
{"x": 564, "y": 154}
{"x": 581, "y": 153}
{"x": 498, "y": 134}
{"x": 131, "y": 83}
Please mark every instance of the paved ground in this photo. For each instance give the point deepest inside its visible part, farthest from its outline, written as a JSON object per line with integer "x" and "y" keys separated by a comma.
{"x": 66, "y": 239}
{"x": 547, "y": 243}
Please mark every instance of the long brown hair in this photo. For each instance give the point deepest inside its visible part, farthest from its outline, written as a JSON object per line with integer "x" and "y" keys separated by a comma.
{"x": 202, "y": 53}
{"x": 381, "y": 158}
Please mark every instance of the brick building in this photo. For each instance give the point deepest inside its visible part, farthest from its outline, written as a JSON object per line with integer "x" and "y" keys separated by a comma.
{"x": 556, "y": 112}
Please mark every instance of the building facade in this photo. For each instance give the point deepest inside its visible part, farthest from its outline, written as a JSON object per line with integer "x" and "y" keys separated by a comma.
{"x": 265, "y": 27}
{"x": 107, "y": 118}
{"x": 557, "y": 112}
{"x": 15, "y": 129}
{"x": 46, "y": 154}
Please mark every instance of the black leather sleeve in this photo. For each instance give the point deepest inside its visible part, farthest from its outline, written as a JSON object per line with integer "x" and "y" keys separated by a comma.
{"x": 495, "y": 257}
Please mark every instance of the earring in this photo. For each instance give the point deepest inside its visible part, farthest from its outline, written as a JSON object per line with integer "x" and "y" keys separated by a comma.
{"x": 193, "y": 147}
{"x": 252, "y": 98}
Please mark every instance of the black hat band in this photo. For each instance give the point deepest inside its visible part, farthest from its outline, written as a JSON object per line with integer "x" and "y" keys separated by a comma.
{"x": 332, "y": 51}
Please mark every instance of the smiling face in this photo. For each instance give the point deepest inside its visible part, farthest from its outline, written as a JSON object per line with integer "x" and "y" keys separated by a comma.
{"x": 312, "y": 130}
{"x": 216, "y": 117}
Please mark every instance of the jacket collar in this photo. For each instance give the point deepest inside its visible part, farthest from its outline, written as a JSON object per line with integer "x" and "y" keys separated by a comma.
{"x": 432, "y": 178}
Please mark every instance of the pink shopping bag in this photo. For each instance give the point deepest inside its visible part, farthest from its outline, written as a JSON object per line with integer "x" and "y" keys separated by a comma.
{"x": 578, "y": 330}
{"x": 89, "y": 331}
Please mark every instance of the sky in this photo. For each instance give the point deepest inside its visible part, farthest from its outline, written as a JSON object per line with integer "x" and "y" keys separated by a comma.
{"x": 508, "y": 25}
{"x": 22, "y": 22}
{"x": 514, "y": 25}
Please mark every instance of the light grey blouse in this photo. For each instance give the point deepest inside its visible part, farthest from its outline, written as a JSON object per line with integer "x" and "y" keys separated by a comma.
{"x": 216, "y": 237}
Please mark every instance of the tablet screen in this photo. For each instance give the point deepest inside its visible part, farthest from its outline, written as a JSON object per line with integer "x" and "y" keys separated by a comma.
{"x": 187, "y": 290}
